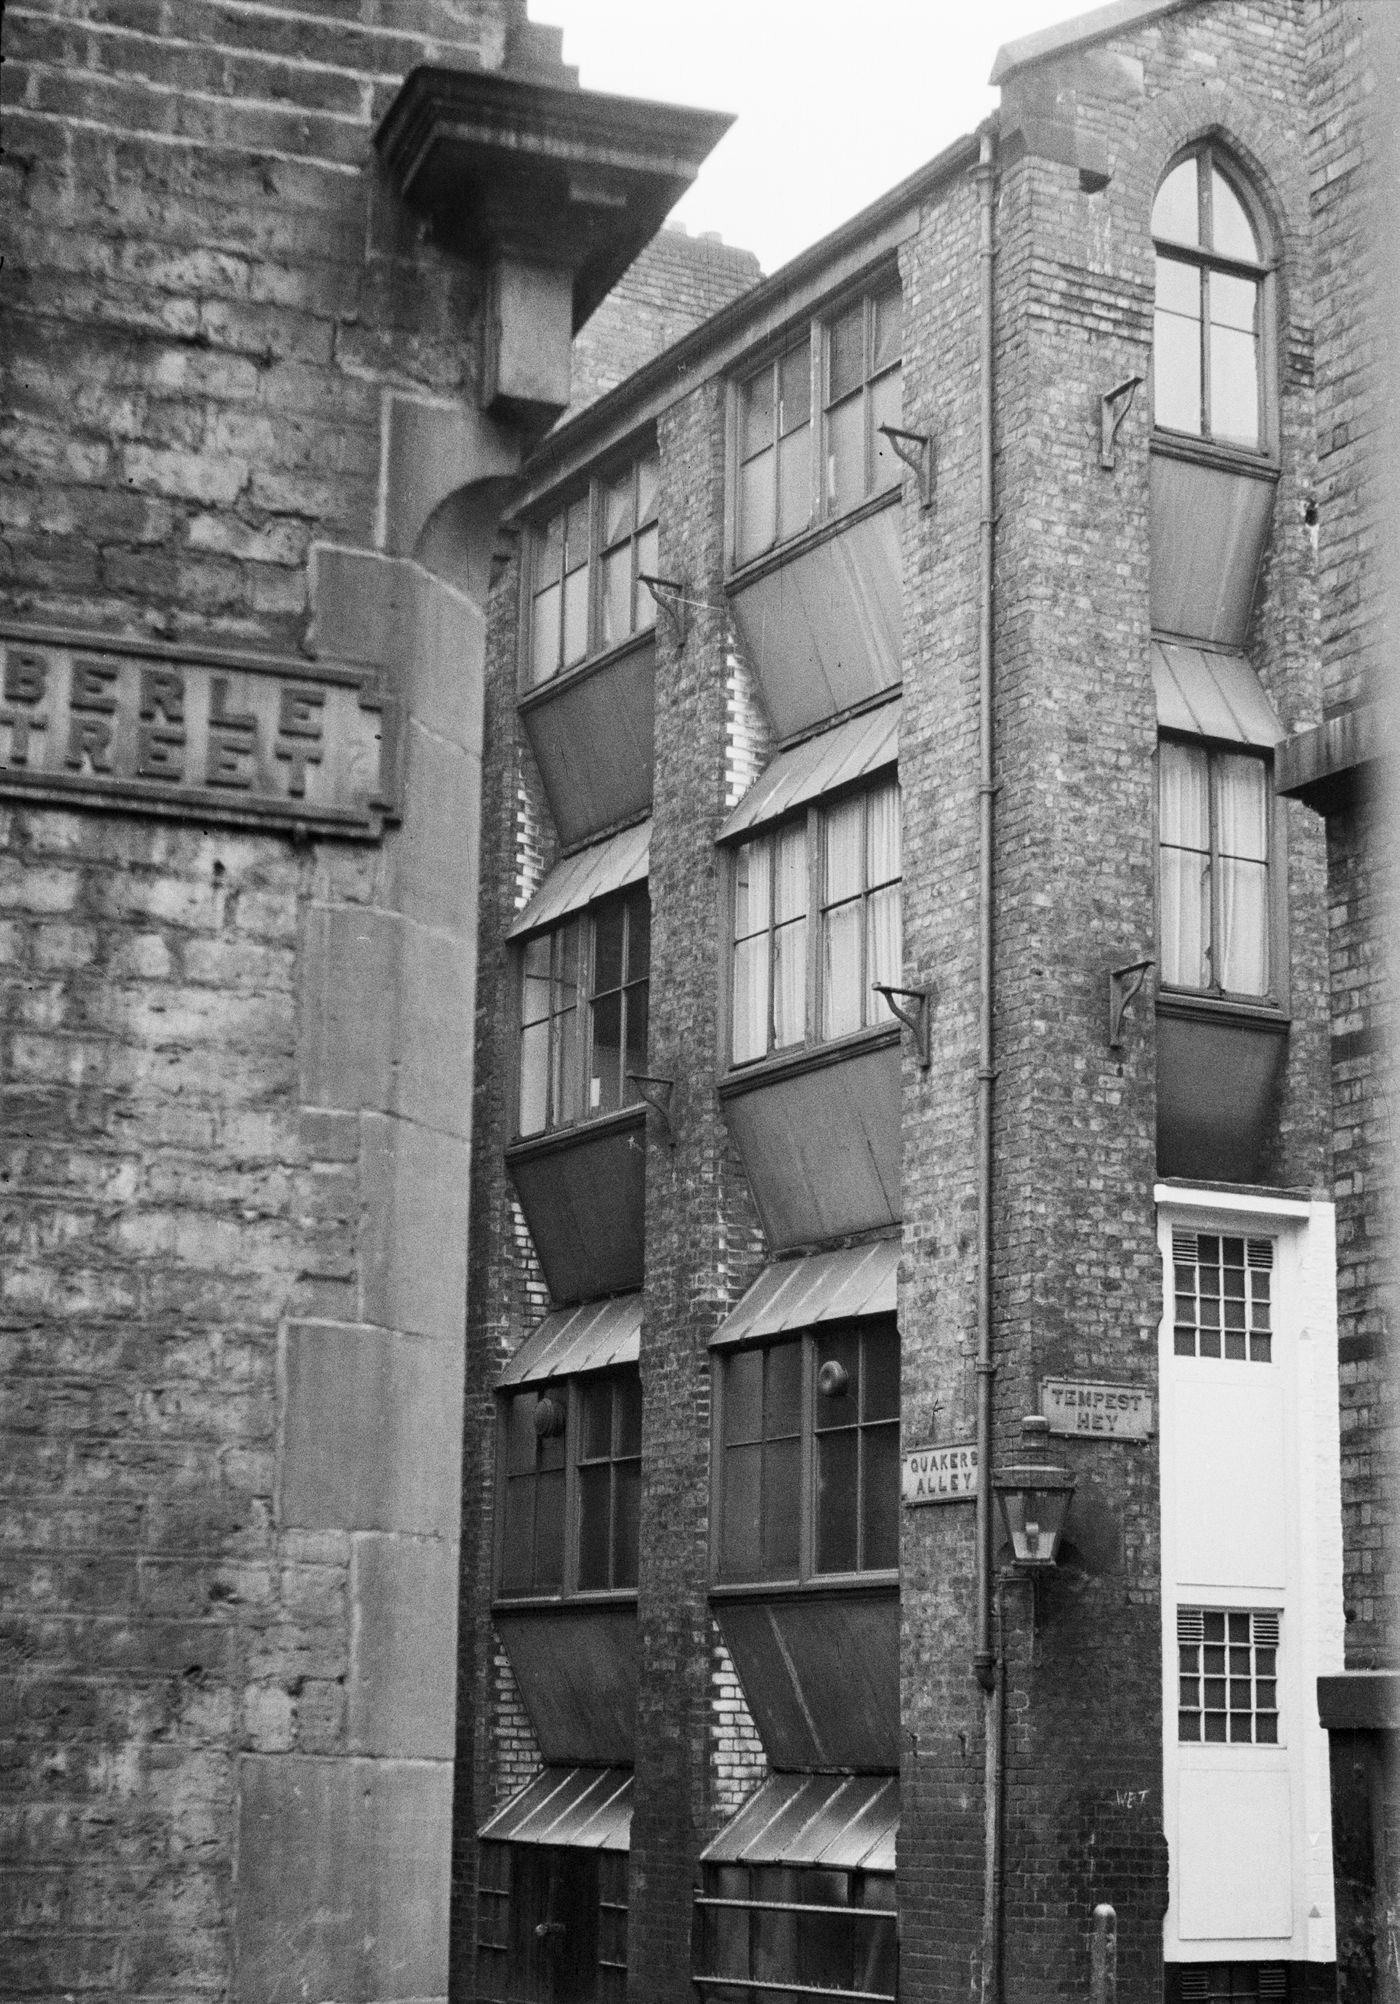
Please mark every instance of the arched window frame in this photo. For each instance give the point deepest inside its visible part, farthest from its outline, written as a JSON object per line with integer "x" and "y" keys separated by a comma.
{"x": 1210, "y": 158}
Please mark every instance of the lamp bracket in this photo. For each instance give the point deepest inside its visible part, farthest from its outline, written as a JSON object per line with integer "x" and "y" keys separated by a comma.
{"x": 915, "y": 448}
{"x": 916, "y": 1020}
{"x": 1124, "y": 983}
{"x": 1114, "y": 406}
{"x": 657, "y": 1094}
{"x": 671, "y": 602}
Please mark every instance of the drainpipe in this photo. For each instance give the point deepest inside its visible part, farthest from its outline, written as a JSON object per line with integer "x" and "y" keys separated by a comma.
{"x": 985, "y": 1659}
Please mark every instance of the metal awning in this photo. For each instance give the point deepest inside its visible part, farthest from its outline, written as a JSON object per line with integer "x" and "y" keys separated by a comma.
{"x": 589, "y": 1338}
{"x": 846, "y": 1822}
{"x": 852, "y": 751}
{"x": 824, "y": 1287}
{"x": 584, "y": 877}
{"x": 1212, "y": 695}
{"x": 590, "y": 1807}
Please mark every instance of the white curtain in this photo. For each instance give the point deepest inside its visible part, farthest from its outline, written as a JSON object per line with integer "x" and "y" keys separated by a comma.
{"x": 1241, "y": 820}
{"x": 1184, "y": 822}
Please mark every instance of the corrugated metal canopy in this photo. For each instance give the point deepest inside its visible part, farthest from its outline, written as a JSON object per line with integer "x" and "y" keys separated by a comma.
{"x": 846, "y": 1822}
{"x": 588, "y": 1338}
{"x": 586, "y": 1806}
{"x": 824, "y": 1287}
{"x": 592, "y": 873}
{"x": 1212, "y": 695}
{"x": 860, "y": 746}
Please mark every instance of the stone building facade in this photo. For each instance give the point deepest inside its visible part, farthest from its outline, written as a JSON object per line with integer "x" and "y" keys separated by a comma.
{"x": 993, "y": 591}
{"x": 262, "y": 400}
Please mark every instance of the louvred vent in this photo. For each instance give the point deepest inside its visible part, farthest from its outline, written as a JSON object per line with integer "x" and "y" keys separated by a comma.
{"x": 1184, "y": 1245}
{"x": 1190, "y": 1628}
{"x": 1273, "y": 1980}
{"x": 1266, "y": 1631}
{"x": 1260, "y": 1252}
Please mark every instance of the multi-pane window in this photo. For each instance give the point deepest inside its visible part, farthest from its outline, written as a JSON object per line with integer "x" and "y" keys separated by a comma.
{"x": 1227, "y": 1663}
{"x": 795, "y": 983}
{"x": 833, "y": 389}
{"x": 570, "y": 1496}
{"x": 808, "y": 1456}
{"x": 583, "y": 1014}
{"x": 1206, "y": 376}
{"x": 1213, "y": 811}
{"x": 587, "y": 563}
{"x": 551, "y": 1923}
{"x": 1223, "y": 1295}
{"x": 793, "y": 1931}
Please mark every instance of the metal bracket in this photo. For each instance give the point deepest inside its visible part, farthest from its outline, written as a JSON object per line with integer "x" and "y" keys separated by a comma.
{"x": 1123, "y": 984}
{"x": 915, "y": 448}
{"x": 1114, "y": 406}
{"x": 671, "y": 602}
{"x": 657, "y": 1094}
{"x": 916, "y": 1021}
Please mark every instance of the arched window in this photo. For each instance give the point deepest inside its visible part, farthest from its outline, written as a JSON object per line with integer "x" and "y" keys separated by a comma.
{"x": 1207, "y": 373}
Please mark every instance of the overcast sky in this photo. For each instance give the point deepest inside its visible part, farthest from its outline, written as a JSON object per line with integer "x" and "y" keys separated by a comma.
{"x": 834, "y": 103}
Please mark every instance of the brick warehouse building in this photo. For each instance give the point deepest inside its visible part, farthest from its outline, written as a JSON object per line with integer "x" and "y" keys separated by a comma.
{"x": 1005, "y": 596}
{"x": 729, "y": 1713}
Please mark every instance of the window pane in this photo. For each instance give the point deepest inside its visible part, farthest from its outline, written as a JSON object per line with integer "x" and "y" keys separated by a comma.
{"x": 605, "y": 1080}
{"x": 644, "y": 616}
{"x": 756, "y": 505}
{"x": 739, "y": 1541}
{"x": 884, "y": 947}
{"x": 1232, "y": 233}
{"x": 825, "y": 1948}
{"x": 615, "y": 596}
{"x": 879, "y": 1530}
{"x": 535, "y": 984}
{"x": 790, "y": 984}
{"x": 518, "y": 1537}
{"x": 635, "y": 1055}
{"x": 1185, "y": 918}
{"x": 795, "y": 482}
{"x": 638, "y": 905}
{"x": 752, "y": 883}
{"x": 1241, "y": 805}
{"x": 575, "y": 617}
{"x": 790, "y": 888}
{"x": 782, "y": 1410}
{"x": 1184, "y": 795}
{"x": 1234, "y": 385}
{"x": 628, "y": 1394}
{"x": 595, "y": 1403}
{"x": 648, "y": 479}
{"x": 842, "y": 990}
{"x": 549, "y": 552}
{"x": 845, "y": 454}
{"x": 1242, "y": 957}
{"x": 782, "y": 1461}
{"x": 750, "y": 1024}
{"x": 520, "y": 1434}
{"x": 846, "y": 353}
{"x": 884, "y": 837}
{"x": 566, "y": 1068}
{"x": 795, "y": 389}
{"x": 885, "y": 408}
{"x": 1176, "y": 372}
{"x": 1176, "y": 211}
{"x": 836, "y": 1501}
{"x": 743, "y": 1395}
{"x": 881, "y": 1388}
{"x": 841, "y": 1408}
{"x": 888, "y": 310}
{"x": 534, "y": 1078}
{"x": 618, "y": 519}
{"x": 607, "y": 946}
{"x": 756, "y": 414}
{"x": 549, "y": 1529}
{"x": 544, "y": 634}
{"x": 594, "y": 1497}
{"x": 626, "y": 1516}
{"x": 843, "y": 840}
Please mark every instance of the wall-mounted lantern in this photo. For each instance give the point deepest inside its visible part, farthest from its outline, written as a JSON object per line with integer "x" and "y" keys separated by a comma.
{"x": 1034, "y": 1496}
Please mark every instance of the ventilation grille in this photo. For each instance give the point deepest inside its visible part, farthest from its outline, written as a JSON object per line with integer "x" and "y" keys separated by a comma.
{"x": 1186, "y": 1247}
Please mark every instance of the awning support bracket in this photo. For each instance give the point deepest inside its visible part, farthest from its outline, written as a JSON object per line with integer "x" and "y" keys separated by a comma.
{"x": 916, "y": 1020}
{"x": 657, "y": 1094}
{"x": 1114, "y": 406}
{"x": 671, "y": 602}
{"x": 915, "y": 448}
{"x": 1124, "y": 983}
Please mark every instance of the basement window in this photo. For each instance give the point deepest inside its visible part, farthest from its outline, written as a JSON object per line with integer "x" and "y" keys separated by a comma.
{"x": 807, "y": 1456}
{"x": 818, "y": 915}
{"x": 808, "y": 443}
{"x": 586, "y": 563}
{"x": 792, "y": 1932}
{"x": 1223, "y": 1296}
{"x": 571, "y": 1464}
{"x": 1228, "y": 1671}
